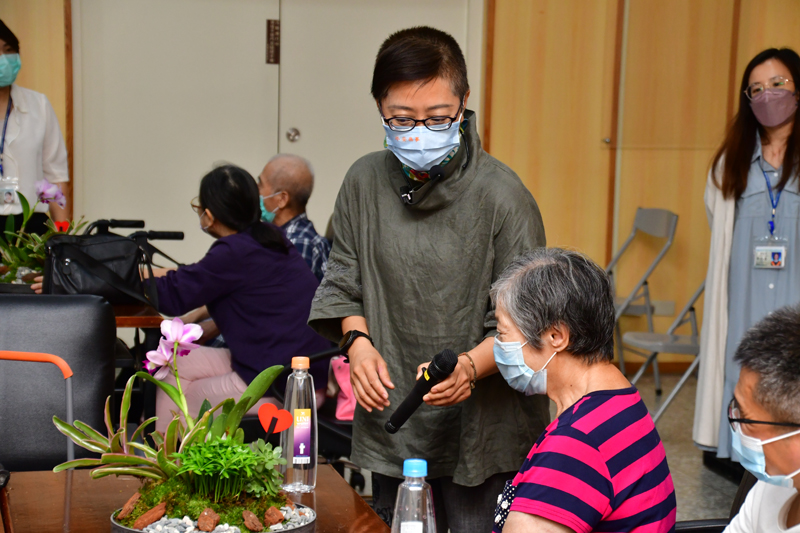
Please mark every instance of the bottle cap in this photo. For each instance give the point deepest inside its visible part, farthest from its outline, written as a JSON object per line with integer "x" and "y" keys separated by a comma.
{"x": 415, "y": 468}
{"x": 300, "y": 362}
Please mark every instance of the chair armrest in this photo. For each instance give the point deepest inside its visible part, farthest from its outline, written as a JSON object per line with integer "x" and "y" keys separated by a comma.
{"x": 714, "y": 525}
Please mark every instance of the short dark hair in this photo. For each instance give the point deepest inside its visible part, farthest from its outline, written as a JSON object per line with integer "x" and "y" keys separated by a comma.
{"x": 549, "y": 287}
{"x": 422, "y": 54}
{"x": 231, "y": 194}
{"x": 771, "y": 349}
{"x": 8, "y": 36}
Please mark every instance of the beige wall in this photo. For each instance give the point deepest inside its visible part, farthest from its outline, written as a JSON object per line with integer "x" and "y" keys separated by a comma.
{"x": 39, "y": 26}
{"x": 552, "y": 100}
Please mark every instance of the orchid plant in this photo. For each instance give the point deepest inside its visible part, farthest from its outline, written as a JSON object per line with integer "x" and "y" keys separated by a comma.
{"x": 134, "y": 455}
{"x": 20, "y": 249}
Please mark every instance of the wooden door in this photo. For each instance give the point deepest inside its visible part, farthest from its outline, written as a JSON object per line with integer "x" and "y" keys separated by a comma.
{"x": 552, "y": 114}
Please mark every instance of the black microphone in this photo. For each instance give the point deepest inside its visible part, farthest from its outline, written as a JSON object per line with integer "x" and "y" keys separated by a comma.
{"x": 436, "y": 174}
{"x": 442, "y": 366}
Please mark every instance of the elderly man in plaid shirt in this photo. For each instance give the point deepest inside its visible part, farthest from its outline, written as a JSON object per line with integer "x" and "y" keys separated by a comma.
{"x": 285, "y": 186}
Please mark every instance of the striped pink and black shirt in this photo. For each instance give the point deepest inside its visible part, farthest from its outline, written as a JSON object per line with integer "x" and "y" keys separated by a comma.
{"x": 600, "y": 466}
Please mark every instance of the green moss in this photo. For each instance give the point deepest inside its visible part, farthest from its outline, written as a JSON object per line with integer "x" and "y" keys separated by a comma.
{"x": 182, "y": 502}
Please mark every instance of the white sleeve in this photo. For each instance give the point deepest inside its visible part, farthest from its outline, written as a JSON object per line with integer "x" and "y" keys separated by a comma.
{"x": 745, "y": 521}
{"x": 54, "y": 152}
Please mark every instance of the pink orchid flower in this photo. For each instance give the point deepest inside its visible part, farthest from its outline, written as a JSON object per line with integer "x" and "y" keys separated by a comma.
{"x": 48, "y": 192}
{"x": 175, "y": 331}
{"x": 158, "y": 361}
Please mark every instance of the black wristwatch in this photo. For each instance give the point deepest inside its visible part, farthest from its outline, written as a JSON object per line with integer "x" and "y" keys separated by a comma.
{"x": 350, "y": 337}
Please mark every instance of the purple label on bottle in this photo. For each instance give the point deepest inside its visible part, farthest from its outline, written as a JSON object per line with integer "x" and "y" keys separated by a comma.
{"x": 302, "y": 437}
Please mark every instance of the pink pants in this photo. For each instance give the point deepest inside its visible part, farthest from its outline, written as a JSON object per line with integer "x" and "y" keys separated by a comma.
{"x": 206, "y": 373}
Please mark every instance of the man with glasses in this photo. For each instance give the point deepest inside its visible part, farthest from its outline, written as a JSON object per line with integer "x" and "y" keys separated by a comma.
{"x": 764, "y": 417}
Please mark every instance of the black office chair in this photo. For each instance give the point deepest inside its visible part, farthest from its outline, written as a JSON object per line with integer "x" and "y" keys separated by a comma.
{"x": 82, "y": 331}
{"x": 717, "y": 525}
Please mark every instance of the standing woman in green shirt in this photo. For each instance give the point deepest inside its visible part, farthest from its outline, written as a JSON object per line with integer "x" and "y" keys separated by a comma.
{"x": 423, "y": 229}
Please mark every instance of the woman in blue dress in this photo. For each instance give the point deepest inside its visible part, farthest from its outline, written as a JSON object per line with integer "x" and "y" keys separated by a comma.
{"x": 753, "y": 203}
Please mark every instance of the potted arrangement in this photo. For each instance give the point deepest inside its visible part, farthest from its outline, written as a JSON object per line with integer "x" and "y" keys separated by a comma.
{"x": 198, "y": 474}
{"x": 22, "y": 254}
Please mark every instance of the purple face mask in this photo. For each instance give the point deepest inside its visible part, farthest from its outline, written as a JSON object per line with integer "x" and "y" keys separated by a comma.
{"x": 773, "y": 107}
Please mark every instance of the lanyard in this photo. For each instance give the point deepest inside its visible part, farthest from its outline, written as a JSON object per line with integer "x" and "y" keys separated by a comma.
{"x": 773, "y": 200}
{"x": 3, "y": 138}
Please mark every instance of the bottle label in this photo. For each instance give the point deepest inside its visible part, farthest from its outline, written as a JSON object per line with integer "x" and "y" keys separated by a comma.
{"x": 302, "y": 437}
{"x": 411, "y": 527}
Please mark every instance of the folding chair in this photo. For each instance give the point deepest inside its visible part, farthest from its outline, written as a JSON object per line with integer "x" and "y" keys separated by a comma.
{"x": 669, "y": 342}
{"x": 658, "y": 223}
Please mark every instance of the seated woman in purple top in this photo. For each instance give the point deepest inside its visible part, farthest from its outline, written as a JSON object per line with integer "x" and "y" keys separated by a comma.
{"x": 257, "y": 288}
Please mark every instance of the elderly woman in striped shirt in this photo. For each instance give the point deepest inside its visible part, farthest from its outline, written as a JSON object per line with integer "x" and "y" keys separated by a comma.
{"x": 600, "y": 465}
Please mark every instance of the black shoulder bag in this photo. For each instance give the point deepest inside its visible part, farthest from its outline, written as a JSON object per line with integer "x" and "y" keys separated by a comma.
{"x": 103, "y": 264}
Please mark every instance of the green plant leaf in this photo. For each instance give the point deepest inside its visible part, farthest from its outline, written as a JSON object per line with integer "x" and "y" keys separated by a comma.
{"x": 218, "y": 427}
{"x": 236, "y": 414}
{"x": 104, "y": 471}
{"x": 227, "y": 406}
{"x": 258, "y": 387}
{"x": 91, "y": 433}
{"x": 201, "y": 427}
{"x": 238, "y": 436}
{"x": 77, "y": 463}
{"x": 26, "y": 207}
{"x": 158, "y": 438}
{"x": 140, "y": 430}
{"x": 171, "y": 437}
{"x": 107, "y": 419}
{"x": 116, "y": 444}
{"x": 167, "y": 466}
{"x": 125, "y": 406}
{"x": 144, "y": 448}
{"x": 10, "y": 226}
{"x": 205, "y": 406}
{"x": 127, "y": 459}
{"x": 76, "y": 436}
{"x": 171, "y": 391}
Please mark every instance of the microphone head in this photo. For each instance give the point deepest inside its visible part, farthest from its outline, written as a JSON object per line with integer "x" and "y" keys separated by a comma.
{"x": 436, "y": 172}
{"x": 443, "y": 364}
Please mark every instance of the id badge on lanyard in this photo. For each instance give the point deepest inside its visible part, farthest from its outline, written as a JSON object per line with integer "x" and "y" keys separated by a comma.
{"x": 770, "y": 251}
{"x": 8, "y": 185}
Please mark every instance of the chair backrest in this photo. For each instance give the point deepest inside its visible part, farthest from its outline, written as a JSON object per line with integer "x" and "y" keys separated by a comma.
{"x": 656, "y": 222}
{"x": 82, "y": 331}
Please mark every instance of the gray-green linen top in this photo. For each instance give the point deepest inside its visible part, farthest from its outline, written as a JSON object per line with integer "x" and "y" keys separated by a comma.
{"x": 420, "y": 276}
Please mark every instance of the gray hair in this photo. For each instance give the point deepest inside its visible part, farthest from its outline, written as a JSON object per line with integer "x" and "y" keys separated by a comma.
{"x": 295, "y": 175}
{"x": 549, "y": 287}
{"x": 771, "y": 349}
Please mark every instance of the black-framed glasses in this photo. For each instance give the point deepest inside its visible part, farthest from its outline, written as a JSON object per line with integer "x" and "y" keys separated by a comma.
{"x": 735, "y": 418}
{"x": 405, "y": 124}
{"x": 775, "y": 82}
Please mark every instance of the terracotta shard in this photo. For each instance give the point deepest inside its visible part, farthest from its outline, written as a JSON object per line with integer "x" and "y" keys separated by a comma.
{"x": 273, "y": 516}
{"x": 251, "y": 521}
{"x": 150, "y": 516}
{"x": 289, "y": 502}
{"x": 207, "y": 520}
{"x": 127, "y": 509}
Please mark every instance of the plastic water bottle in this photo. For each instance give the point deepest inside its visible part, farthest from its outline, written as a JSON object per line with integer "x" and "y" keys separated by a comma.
{"x": 413, "y": 510}
{"x": 299, "y": 442}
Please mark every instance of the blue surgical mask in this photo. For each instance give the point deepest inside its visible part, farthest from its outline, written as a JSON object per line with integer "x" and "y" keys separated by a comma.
{"x": 750, "y": 453}
{"x": 9, "y": 68}
{"x": 422, "y": 148}
{"x": 518, "y": 375}
{"x": 267, "y": 216}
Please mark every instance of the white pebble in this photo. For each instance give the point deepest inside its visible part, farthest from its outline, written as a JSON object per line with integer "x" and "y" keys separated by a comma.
{"x": 276, "y": 527}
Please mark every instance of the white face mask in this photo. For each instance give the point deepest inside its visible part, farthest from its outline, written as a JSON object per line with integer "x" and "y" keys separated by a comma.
{"x": 519, "y": 376}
